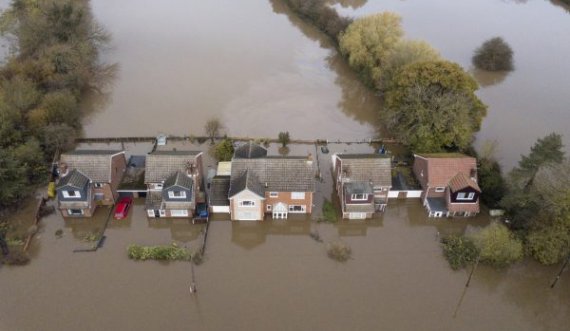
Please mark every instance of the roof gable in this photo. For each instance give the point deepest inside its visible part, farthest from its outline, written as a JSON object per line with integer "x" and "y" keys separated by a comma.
{"x": 95, "y": 164}
{"x": 246, "y": 180}
{"x": 250, "y": 151}
{"x": 73, "y": 179}
{"x": 179, "y": 179}
{"x": 461, "y": 181}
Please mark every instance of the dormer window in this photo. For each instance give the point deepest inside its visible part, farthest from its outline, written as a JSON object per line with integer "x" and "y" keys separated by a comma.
{"x": 71, "y": 194}
{"x": 177, "y": 194}
{"x": 465, "y": 196}
{"x": 359, "y": 197}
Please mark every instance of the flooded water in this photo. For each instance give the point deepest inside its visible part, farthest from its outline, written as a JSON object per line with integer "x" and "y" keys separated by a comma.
{"x": 262, "y": 70}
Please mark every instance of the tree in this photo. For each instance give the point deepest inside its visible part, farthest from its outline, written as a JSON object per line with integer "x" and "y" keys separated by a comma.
{"x": 368, "y": 42}
{"x": 432, "y": 107}
{"x": 494, "y": 55}
{"x": 224, "y": 150}
{"x": 551, "y": 244}
{"x": 284, "y": 138}
{"x": 406, "y": 52}
{"x": 13, "y": 179}
{"x": 459, "y": 251}
{"x": 498, "y": 246}
{"x": 212, "y": 128}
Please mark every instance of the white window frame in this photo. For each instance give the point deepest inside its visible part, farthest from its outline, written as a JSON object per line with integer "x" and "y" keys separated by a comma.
{"x": 76, "y": 194}
{"x": 179, "y": 213}
{"x": 269, "y": 207}
{"x": 440, "y": 189}
{"x": 298, "y": 195}
{"x": 292, "y": 210}
{"x": 98, "y": 185}
{"x": 162, "y": 213}
{"x": 182, "y": 195}
{"x": 273, "y": 194}
{"x": 245, "y": 203}
{"x": 469, "y": 197}
{"x": 150, "y": 212}
{"x": 354, "y": 197}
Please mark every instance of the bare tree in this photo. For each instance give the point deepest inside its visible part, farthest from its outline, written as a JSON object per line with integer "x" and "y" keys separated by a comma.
{"x": 213, "y": 127}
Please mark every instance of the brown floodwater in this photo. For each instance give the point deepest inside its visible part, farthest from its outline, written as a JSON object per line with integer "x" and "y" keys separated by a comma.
{"x": 262, "y": 70}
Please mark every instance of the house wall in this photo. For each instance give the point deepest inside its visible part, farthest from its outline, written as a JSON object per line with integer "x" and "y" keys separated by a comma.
{"x": 118, "y": 167}
{"x": 285, "y": 197}
{"x": 109, "y": 196}
{"x": 470, "y": 207}
{"x": 235, "y": 209}
{"x": 466, "y": 190}
{"x": 419, "y": 165}
{"x": 348, "y": 200}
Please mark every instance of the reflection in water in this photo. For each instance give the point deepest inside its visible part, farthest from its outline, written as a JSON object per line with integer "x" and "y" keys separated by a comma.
{"x": 181, "y": 230}
{"x": 357, "y": 101}
{"x": 488, "y": 78}
{"x": 349, "y": 3}
{"x": 250, "y": 235}
{"x": 357, "y": 228}
{"x": 561, "y": 4}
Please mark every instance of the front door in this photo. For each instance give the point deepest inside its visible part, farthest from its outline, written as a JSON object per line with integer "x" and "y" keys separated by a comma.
{"x": 156, "y": 213}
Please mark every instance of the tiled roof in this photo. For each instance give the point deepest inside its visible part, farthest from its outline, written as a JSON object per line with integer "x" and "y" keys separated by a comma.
{"x": 95, "y": 164}
{"x": 250, "y": 151}
{"x": 277, "y": 174}
{"x": 375, "y": 168}
{"x": 74, "y": 179}
{"x": 162, "y": 164}
{"x": 358, "y": 188}
{"x": 440, "y": 170}
{"x": 178, "y": 179}
{"x": 246, "y": 179}
{"x": 360, "y": 208}
{"x": 219, "y": 189}
{"x": 153, "y": 200}
{"x": 461, "y": 181}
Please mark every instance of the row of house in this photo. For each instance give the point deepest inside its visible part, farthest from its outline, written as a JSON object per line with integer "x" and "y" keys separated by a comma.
{"x": 255, "y": 185}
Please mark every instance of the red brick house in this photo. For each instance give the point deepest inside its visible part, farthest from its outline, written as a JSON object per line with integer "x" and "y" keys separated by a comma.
{"x": 449, "y": 184}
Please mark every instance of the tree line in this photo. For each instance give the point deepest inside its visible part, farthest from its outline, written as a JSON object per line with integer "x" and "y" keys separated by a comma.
{"x": 53, "y": 65}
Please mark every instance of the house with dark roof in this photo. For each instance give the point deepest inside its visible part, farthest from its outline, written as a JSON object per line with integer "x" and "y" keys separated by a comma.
{"x": 89, "y": 178}
{"x": 362, "y": 183}
{"x": 174, "y": 182}
{"x": 449, "y": 184}
{"x": 274, "y": 185}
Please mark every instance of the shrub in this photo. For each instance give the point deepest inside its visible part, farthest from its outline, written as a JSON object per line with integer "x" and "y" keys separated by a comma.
{"x": 329, "y": 213}
{"x": 339, "y": 251}
{"x": 459, "y": 251}
{"x": 498, "y": 246}
{"x": 224, "y": 150}
{"x": 494, "y": 55}
{"x": 167, "y": 253}
{"x": 284, "y": 138}
{"x": 16, "y": 257}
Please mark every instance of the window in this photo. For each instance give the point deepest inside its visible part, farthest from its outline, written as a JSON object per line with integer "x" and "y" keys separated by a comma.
{"x": 98, "y": 185}
{"x": 156, "y": 186}
{"x": 162, "y": 213}
{"x": 298, "y": 195}
{"x": 440, "y": 189}
{"x": 71, "y": 194}
{"x": 464, "y": 196}
{"x": 269, "y": 207}
{"x": 359, "y": 197}
{"x": 297, "y": 209}
{"x": 179, "y": 213}
{"x": 177, "y": 194}
{"x": 75, "y": 212}
{"x": 246, "y": 203}
{"x": 273, "y": 194}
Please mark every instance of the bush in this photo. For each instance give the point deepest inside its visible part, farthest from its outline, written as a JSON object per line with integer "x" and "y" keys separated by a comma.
{"x": 494, "y": 55}
{"x": 339, "y": 251}
{"x": 492, "y": 183}
{"x": 459, "y": 251}
{"x": 498, "y": 246}
{"x": 167, "y": 253}
{"x": 16, "y": 257}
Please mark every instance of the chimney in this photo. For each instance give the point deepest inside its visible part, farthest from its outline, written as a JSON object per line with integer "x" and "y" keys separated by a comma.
{"x": 310, "y": 159}
{"x": 473, "y": 174}
{"x": 63, "y": 170}
{"x": 189, "y": 169}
